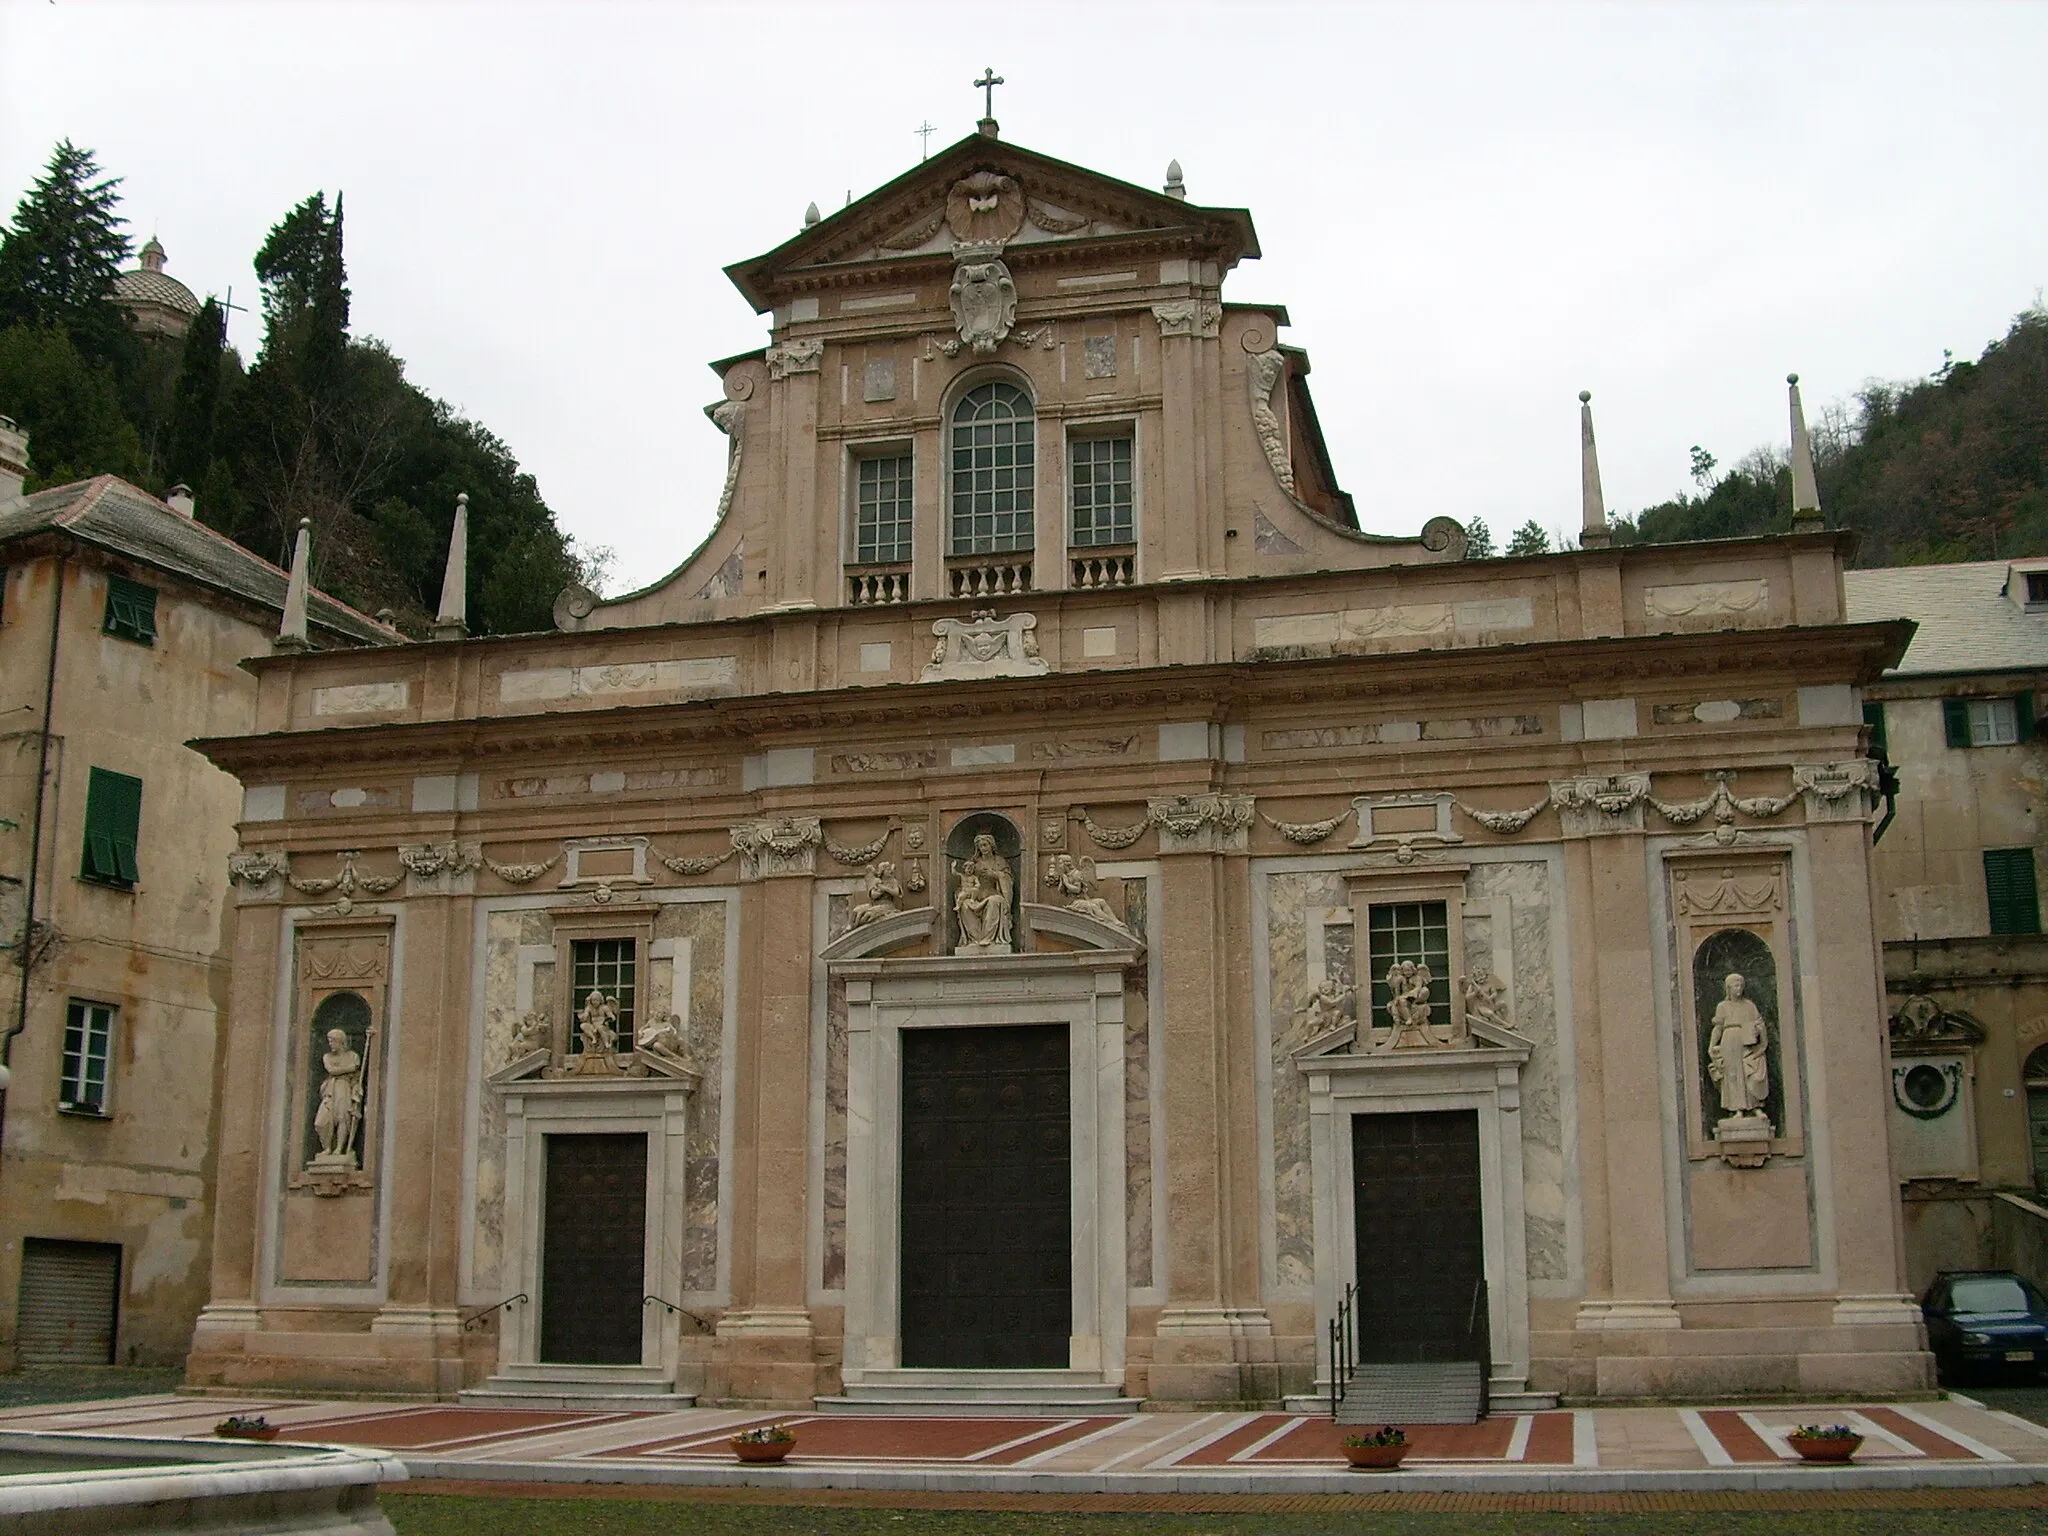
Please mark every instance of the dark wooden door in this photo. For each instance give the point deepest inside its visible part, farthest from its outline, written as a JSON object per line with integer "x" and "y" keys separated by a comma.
{"x": 987, "y": 1209}
{"x": 594, "y": 1241}
{"x": 1421, "y": 1249}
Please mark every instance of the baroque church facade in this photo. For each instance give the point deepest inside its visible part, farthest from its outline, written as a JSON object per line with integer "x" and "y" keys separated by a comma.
{"x": 1041, "y": 908}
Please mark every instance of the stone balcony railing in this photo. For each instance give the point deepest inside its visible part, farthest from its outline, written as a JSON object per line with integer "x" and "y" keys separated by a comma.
{"x": 873, "y": 586}
{"x": 988, "y": 575}
{"x": 1115, "y": 566}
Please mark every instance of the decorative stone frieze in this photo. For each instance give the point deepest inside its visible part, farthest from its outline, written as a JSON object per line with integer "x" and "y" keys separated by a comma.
{"x": 1404, "y": 825}
{"x": 258, "y": 872}
{"x": 1306, "y": 832}
{"x": 1838, "y": 791}
{"x": 345, "y": 884}
{"x": 793, "y": 357}
{"x": 783, "y": 845}
{"x": 1596, "y": 807}
{"x": 521, "y": 874}
{"x": 1202, "y": 823}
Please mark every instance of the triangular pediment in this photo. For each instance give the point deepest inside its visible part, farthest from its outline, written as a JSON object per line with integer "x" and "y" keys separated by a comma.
{"x": 983, "y": 193}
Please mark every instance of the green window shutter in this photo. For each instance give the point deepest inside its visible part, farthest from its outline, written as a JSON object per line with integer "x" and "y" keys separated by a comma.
{"x": 1955, "y": 721}
{"x": 1873, "y": 716}
{"x": 2009, "y": 884}
{"x": 2023, "y": 715}
{"x": 113, "y": 825}
{"x": 131, "y": 610}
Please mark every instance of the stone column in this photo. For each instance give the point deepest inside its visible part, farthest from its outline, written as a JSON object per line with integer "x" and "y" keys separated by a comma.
{"x": 793, "y": 403}
{"x": 764, "y": 1351}
{"x": 247, "y": 1100}
{"x": 1616, "y": 1018}
{"x": 1215, "y": 1341}
{"x": 1188, "y": 346}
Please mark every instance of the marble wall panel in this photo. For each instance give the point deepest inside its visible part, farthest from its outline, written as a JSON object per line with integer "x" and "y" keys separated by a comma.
{"x": 504, "y": 932}
{"x": 1290, "y": 897}
{"x": 1137, "y": 1100}
{"x": 703, "y": 924}
{"x": 838, "y": 918}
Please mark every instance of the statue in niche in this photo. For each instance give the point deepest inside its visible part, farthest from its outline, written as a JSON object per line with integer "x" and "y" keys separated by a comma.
{"x": 340, "y": 1113}
{"x": 1328, "y": 1007}
{"x": 982, "y": 900}
{"x": 598, "y": 1025}
{"x": 664, "y": 1037}
{"x": 1735, "y": 1051}
{"x": 1408, "y": 1005}
{"x": 885, "y": 895}
{"x": 1073, "y": 881}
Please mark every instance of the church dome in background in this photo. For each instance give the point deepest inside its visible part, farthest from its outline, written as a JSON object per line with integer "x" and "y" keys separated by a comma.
{"x": 159, "y": 304}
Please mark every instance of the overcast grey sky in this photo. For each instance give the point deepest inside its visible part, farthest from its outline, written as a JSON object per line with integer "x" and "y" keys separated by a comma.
{"x": 1472, "y": 212}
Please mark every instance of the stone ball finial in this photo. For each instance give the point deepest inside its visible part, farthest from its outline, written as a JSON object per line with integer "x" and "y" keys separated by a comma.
{"x": 462, "y": 498}
{"x": 810, "y": 215}
{"x": 306, "y": 523}
{"x": 1791, "y": 378}
{"x": 1585, "y": 397}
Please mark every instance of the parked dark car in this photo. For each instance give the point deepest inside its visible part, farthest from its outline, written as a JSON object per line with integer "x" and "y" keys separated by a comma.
{"x": 1985, "y": 1321}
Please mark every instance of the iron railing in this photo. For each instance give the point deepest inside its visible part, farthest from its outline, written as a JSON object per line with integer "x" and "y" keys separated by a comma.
{"x": 476, "y": 1319}
{"x": 1344, "y": 1352}
{"x": 675, "y": 1311}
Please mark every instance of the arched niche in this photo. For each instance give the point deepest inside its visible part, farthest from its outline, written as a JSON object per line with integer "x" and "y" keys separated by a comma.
{"x": 1738, "y": 952}
{"x": 350, "y": 1013}
{"x": 964, "y": 847}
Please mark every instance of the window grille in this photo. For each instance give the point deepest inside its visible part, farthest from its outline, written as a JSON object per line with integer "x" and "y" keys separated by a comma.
{"x": 113, "y": 824}
{"x": 82, "y": 1075}
{"x": 1410, "y": 930}
{"x": 1100, "y": 479}
{"x": 994, "y": 471}
{"x": 607, "y": 966}
{"x": 881, "y": 524}
{"x": 131, "y": 610}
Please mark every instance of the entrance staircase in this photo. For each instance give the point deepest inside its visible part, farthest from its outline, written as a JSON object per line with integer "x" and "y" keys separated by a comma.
{"x": 583, "y": 1388}
{"x": 1441, "y": 1392}
{"x": 989, "y": 1394}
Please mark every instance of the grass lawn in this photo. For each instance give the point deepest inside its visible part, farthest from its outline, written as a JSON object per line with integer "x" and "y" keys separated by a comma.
{"x": 83, "y": 1383}
{"x": 417, "y": 1514}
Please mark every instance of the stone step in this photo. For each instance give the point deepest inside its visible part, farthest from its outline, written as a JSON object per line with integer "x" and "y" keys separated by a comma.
{"x": 958, "y": 1407}
{"x": 572, "y": 1399}
{"x": 1036, "y": 1393}
{"x": 1447, "y": 1392}
{"x": 596, "y": 1377}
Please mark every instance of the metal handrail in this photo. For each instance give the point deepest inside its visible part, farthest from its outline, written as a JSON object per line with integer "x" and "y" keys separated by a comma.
{"x": 476, "y": 1319}
{"x": 675, "y": 1311}
{"x": 1343, "y": 1354}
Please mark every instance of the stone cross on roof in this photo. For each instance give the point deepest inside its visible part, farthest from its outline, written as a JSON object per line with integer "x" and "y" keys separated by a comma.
{"x": 987, "y": 85}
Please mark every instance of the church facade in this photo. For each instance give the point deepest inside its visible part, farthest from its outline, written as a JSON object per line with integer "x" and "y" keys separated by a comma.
{"x": 1041, "y": 908}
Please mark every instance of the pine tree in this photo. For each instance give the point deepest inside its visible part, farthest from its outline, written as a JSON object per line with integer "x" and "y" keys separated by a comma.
{"x": 196, "y": 403}
{"x": 59, "y": 260}
{"x": 1478, "y": 540}
{"x": 1529, "y": 539}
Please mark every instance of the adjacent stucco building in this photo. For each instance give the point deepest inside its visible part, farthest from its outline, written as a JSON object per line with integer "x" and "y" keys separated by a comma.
{"x": 123, "y": 626}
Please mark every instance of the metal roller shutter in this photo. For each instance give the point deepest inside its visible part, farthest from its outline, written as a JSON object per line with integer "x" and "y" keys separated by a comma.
{"x": 70, "y": 1297}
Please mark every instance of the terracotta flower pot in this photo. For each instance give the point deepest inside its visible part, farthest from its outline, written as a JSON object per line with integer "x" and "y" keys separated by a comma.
{"x": 762, "y": 1450}
{"x": 1374, "y": 1458}
{"x": 1830, "y": 1448}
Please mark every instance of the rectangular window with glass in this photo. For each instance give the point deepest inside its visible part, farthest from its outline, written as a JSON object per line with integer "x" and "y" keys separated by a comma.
{"x": 607, "y": 966}
{"x": 131, "y": 610}
{"x": 113, "y": 827}
{"x": 1409, "y": 931}
{"x": 82, "y": 1075}
{"x": 1099, "y": 481}
{"x": 1988, "y": 722}
{"x": 2009, "y": 883}
{"x": 881, "y": 511}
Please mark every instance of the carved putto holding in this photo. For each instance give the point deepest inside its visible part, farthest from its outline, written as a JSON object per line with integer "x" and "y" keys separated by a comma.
{"x": 982, "y": 645}
{"x": 1486, "y": 998}
{"x": 1330, "y": 1006}
{"x": 984, "y": 304}
{"x": 885, "y": 895}
{"x": 532, "y": 1033}
{"x": 1073, "y": 882}
{"x": 597, "y": 1026}
{"x": 1408, "y": 1009}
{"x": 664, "y": 1037}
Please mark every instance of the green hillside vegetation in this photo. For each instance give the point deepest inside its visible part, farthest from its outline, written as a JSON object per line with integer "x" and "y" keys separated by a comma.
{"x": 324, "y": 425}
{"x": 1951, "y": 467}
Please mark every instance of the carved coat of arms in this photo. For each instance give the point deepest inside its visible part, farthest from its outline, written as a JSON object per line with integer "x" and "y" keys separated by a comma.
{"x": 982, "y": 645}
{"x": 984, "y": 304}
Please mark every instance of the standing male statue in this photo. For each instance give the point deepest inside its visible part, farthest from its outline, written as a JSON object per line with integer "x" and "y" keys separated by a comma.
{"x": 1735, "y": 1050}
{"x": 341, "y": 1101}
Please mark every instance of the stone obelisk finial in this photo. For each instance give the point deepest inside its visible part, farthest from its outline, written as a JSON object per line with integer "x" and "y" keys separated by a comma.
{"x": 1593, "y": 534}
{"x": 453, "y": 622}
{"x": 1805, "y": 491}
{"x": 291, "y": 636}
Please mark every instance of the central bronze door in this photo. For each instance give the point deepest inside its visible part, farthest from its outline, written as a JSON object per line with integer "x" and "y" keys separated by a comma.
{"x": 987, "y": 1205}
{"x": 1421, "y": 1248}
{"x": 594, "y": 1244}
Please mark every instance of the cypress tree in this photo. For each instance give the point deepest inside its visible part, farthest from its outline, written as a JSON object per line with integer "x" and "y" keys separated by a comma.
{"x": 59, "y": 259}
{"x": 197, "y": 399}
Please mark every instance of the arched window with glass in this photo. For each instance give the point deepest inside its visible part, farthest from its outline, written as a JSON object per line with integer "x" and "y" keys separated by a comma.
{"x": 994, "y": 470}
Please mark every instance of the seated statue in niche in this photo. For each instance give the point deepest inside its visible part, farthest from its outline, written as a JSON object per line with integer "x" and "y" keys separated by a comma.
{"x": 340, "y": 1111}
{"x": 982, "y": 900}
{"x": 885, "y": 895}
{"x": 1736, "y": 1048}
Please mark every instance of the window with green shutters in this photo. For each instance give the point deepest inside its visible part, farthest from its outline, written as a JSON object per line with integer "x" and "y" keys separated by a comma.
{"x": 113, "y": 822}
{"x": 82, "y": 1074}
{"x": 2001, "y": 722}
{"x": 131, "y": 610}
{"x": 2009, "y": 882}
